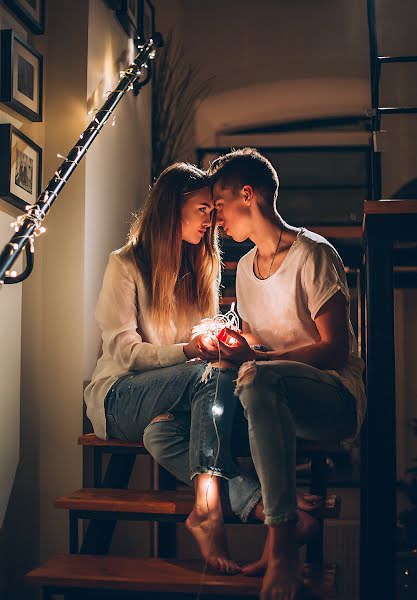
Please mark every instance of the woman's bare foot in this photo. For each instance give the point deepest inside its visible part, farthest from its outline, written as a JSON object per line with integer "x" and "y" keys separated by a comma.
{"x": 209, "y": 532}
{"x": 307, "y": 527}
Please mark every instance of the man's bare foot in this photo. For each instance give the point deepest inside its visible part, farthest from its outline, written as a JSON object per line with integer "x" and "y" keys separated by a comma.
{"x": 282, "y": 579}
{"x": 209, "y": 532}
{"x": 306, "y": 502}
{"x": 307, "y": 527}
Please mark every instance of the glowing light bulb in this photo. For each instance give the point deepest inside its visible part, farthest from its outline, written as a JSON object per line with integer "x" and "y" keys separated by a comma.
{"x": 217, "y": 410}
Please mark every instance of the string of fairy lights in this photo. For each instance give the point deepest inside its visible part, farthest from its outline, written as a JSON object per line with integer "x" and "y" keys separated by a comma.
{"x": 28, "y": 226}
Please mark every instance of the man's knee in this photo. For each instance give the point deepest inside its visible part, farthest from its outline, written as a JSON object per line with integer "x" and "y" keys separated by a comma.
{"x": 246, "y": 375}
{"x": 254, "y": 385}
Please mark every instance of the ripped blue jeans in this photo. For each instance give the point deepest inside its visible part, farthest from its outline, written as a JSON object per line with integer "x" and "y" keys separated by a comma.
{"x": 282, "y": 399}
{"x": 171, "y": 408}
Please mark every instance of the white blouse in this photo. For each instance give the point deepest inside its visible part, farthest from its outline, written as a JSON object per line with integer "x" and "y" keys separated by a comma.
{"x": 130, "y": 343}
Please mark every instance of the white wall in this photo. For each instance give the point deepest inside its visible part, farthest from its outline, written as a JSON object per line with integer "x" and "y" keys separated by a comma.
{"x": 117, "y": 166}
{"x": 117, "y": 181}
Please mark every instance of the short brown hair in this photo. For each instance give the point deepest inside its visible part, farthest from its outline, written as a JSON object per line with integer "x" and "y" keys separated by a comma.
{"x": 246, "y": 167}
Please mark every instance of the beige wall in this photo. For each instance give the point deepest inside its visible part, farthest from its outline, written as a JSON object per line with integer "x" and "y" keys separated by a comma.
{"x": 117, "y": 166}
{"x": 59, "y": 339}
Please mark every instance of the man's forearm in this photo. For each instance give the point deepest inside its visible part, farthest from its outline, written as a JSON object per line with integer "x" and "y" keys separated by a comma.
{"x": 321, "y": 355}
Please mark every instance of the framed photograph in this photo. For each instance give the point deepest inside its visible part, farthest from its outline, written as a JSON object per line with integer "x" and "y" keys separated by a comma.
{"x": 20, "y": 168}
{"x": 128, "y": 15}
{"x": 30, "y": 12}
{"x": 20, "y": 76}
{"x": 146, "y": 24}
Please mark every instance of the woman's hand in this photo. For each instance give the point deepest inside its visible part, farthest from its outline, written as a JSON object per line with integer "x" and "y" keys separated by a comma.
{"x": 202, "y": 346}
{"x": 240, "y": 352}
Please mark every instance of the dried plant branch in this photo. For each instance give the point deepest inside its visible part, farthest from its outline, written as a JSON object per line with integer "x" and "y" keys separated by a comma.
{"x": 178, "y": 89}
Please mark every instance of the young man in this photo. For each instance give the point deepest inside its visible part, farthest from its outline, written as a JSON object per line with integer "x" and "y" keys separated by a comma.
{"x": 293, "y": 295}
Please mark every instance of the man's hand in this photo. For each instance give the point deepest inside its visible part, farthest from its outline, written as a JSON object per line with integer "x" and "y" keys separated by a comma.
{"x": 240, "y": 352}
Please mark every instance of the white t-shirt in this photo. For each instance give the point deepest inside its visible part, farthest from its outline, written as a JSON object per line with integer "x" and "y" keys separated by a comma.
{"x": 130, "y": 342}
{"x": 281, "y": 309}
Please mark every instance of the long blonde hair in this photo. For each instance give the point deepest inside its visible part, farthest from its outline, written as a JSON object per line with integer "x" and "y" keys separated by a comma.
{"x": 182, "y": 279}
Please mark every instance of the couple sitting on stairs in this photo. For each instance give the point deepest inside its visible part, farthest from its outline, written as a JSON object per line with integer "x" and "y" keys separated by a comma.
{"x": 293, "y": 370}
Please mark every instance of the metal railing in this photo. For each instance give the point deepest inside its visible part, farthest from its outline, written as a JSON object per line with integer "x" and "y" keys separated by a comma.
{"x": 29, "y": 225}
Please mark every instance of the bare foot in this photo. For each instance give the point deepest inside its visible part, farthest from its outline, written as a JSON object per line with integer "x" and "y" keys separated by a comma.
{"x": 306, "y": 502}
{"x": 258, "y": 567}
{"x": 310, "y": 503}
{"x": 307, "y": 527}
{"x": 281, "y": 581}
{"x": 209, "y": 532}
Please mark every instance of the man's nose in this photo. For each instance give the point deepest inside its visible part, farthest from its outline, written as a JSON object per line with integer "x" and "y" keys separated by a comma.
{"x": 219, "y": 218}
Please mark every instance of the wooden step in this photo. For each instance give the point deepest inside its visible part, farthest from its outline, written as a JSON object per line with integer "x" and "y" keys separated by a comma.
{"x": 161, "y": 576}
{"x": 157, "y": 503}
{"x": 89, "y": 439}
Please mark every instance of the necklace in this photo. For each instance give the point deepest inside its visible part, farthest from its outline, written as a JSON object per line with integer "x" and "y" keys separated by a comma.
{"x": 272, "y": 261}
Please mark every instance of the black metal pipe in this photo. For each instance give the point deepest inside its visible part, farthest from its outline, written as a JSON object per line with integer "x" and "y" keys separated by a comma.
{"x": 30, "y": 223}
{"x": 373, "y": 53}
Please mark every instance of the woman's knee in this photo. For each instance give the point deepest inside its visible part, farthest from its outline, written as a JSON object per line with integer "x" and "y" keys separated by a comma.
{"x": 155, "y": 438}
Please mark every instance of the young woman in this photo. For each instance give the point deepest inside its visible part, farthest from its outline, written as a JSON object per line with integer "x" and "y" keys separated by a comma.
{"x": 155, "y": 288}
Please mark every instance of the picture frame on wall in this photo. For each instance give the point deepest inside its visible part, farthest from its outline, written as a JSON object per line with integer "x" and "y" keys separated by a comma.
{"x": 30, "y": 12}
{"x": 20, "y": 168}
{"x": 21, "y": 73}
{"x": 128, "y": 16}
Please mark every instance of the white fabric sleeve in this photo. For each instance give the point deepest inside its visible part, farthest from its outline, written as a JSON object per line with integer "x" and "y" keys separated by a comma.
{"x": 323, "y": 276}
{"x": 240, "y": 295}
{"x": 117, "y": 314}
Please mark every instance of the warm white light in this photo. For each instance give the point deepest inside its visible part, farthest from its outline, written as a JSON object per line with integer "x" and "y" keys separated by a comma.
{"x": 217, "y": 410}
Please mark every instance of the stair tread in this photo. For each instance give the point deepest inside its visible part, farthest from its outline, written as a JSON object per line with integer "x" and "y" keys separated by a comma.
{"x": 163, "y": 502}
{"x": 304, "y": 446}
{"x": 90, "y": 439}
{"x": 160, "y": 575}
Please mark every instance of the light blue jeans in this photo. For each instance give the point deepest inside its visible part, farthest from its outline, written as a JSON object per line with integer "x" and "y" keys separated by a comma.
{"x": 171, "y": 408}
{"x": 282, "y": 399}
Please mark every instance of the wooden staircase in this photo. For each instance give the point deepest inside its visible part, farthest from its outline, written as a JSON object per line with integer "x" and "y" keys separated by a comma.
{"x": 89, "y": 572}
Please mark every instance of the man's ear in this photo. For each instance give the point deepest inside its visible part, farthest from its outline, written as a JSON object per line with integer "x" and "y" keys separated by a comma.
{"x": 247, "y": 191}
